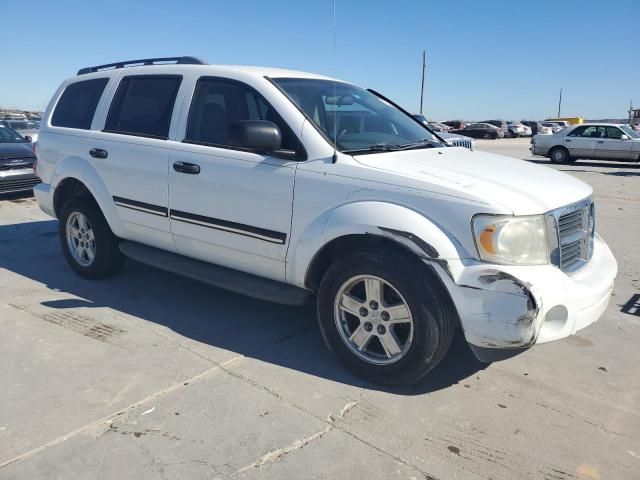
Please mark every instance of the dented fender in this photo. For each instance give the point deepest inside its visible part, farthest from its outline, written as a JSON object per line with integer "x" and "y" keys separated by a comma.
{"x": 396, "y": 222}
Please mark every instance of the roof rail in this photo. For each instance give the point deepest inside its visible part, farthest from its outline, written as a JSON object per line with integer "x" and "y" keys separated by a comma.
{"x": 144, "y": 61}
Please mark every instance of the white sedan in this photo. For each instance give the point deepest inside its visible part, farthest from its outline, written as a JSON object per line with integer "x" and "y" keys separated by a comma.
{"x": 602, "y": 141}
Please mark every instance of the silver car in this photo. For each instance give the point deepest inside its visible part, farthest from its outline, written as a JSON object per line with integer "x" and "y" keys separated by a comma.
{"x": 602, "y": 141}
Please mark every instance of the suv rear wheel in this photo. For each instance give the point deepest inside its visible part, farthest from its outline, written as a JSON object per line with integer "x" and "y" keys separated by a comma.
{"x": 384, "y": 318}
{"x": 87, "y": 241}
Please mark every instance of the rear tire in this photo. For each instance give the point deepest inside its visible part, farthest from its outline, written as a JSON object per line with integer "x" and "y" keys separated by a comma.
{"x": 395, "y": 338}
{"x": 487, "y": 136}
{"x": 88, "y": 243}
{"x": 560, "y": 155}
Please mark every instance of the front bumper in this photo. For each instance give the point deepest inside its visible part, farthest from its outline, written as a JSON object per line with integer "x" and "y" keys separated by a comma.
{"x": 19, "y": 180}
{"x": 514, "y": 307}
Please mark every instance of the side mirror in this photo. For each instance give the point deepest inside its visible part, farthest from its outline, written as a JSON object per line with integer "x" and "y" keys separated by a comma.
{"x": 255, "y": 134}
{"x": 259, "y": 135}
{"x": 624, "y": 137}
{"x": 28, "y": 138}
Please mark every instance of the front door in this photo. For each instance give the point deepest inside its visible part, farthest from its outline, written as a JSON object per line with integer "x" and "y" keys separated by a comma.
{"x": 230, "y": 206}
{"x": 611, "y": 146}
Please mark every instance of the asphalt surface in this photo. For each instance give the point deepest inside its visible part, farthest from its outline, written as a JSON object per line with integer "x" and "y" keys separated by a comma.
{"x": 150, "y": 375}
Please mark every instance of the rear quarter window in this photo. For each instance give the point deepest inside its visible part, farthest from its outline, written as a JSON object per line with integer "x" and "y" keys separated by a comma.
{"x": 78, "y": 103}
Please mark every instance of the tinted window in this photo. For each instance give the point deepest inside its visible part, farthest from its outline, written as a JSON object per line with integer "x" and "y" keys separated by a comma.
{"x": 143, "y": 105}
{"x": 613, "y": 132}
{"x": 577, "y": 132}
{"x": 218, "y": 103}
{"x": 78, "y": 103}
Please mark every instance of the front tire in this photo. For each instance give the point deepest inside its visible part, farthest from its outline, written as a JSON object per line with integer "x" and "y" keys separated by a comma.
{"x": 385, "y": 318}
{"x": 560, "y": 155}
{"x": 91, "y": 249}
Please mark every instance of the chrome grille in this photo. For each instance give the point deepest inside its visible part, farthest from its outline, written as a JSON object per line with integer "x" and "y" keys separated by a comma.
{"x": 575, "y": 230}
{"x": 460, "y": 142}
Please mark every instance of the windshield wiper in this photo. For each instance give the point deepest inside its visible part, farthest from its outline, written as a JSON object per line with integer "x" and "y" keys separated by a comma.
{"x": 376, "y": 147}
{"x": 424, "y": 143}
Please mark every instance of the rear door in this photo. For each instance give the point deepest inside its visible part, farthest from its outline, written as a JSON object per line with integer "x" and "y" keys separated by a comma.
{"x": 131, "y": 155}
{"x": 611, "y": 146}
{"x": 581, "y": 141}
{"x": 232, "y": 206}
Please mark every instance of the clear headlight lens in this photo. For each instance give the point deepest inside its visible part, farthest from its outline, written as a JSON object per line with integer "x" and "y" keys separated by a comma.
{"x": 511, "y": 240}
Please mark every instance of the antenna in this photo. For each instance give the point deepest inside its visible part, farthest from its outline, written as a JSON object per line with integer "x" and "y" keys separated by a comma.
{"x": 424, "y": 65}
{"x": 334, "y": 159}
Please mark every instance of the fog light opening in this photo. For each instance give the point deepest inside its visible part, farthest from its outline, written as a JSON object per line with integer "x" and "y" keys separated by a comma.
{"x": 555, "y": 319}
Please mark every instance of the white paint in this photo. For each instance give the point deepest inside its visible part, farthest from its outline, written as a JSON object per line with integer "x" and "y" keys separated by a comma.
{"x": 431, "y": 193}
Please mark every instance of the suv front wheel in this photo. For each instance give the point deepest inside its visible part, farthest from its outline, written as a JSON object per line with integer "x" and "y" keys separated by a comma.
{"x": 384, "y": 318}
{"x": 87, "y": 241}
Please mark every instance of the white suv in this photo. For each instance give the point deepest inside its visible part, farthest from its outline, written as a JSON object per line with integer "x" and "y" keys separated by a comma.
{"x": 290, "y": 186}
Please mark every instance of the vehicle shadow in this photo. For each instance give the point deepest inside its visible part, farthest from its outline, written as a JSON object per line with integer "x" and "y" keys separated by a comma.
{"x": 633, "y": 166}
{"x": 285, "y": 336}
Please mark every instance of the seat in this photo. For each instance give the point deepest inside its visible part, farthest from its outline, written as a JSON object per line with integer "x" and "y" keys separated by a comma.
{"x": 214, "y": 127}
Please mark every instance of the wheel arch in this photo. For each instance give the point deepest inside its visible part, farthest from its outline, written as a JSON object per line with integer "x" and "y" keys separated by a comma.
{"x": 357, "y": 225}
{"x": 73, "y": 177}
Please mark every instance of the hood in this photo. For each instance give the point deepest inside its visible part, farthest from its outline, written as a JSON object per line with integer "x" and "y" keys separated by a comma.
{"x": 15, "y": 150}
{"x": 521, "y": 187}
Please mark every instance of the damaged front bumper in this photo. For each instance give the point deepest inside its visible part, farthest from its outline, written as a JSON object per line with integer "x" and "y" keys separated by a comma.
{"x": 505, "y": 309}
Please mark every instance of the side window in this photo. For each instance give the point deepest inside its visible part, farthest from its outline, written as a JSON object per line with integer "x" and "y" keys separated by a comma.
{"x": 578, "y": 132}
{"x": 143, "y": 105}
{"x": 78, "y": 103}
{"x": 590, "y": 132}
{"x": 218, "y": 103}
{"x": 614, "y": 132}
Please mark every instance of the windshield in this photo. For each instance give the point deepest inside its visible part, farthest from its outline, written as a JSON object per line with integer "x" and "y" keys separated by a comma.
{"x": 630, "y": 131}
{"x": 353, "y": 118}
{"x": 7, "y": 135}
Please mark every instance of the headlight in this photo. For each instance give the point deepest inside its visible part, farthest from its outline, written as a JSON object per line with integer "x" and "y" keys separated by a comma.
{"x": 511, "y": 240}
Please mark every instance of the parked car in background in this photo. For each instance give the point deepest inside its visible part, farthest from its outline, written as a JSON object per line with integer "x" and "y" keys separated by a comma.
{"x": 517, "y": 129}
{"x": 500, "y": 124}
{"x": 16, "y": 162}
{"x": 24, "y": 127}
{"x": 480, "y": 130}
{"x": 451, "y": 139}
{"x": 598, "y": 141}
{"x": 454, "y": 124}
{"x": 399, "y": 239}
{"x": 440, "y": 127}
{"x": 555, "y": 127}
{"x": 537, "y": 127}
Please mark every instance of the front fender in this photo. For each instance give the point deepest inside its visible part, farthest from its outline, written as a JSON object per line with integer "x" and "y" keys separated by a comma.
{"x": 397, "y": 222}
{"x": 81, "y": 170}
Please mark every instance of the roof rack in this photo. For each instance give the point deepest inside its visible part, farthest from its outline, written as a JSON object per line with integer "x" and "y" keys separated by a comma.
{"x": 144, "y": 61}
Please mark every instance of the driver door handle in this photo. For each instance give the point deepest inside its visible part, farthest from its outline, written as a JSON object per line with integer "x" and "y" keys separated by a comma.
{"x": 184, "y": 167}
{"x": 98, "y": 153}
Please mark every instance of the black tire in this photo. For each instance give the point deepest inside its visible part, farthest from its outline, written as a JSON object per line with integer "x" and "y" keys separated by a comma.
{"x": 434, "y": 318}
{"x": 488, "y": 136}
{"x": 560, "y": 155}
{"x": 108, "y": 259}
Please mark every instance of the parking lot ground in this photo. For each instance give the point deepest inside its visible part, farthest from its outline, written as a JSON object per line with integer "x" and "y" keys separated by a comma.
{"x": 151, "y": 375}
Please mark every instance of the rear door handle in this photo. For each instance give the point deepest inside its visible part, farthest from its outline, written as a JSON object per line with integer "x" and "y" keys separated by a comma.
{"x": 568, "y": 140}
{"x": 184, "y": 167}
{"x": 98, "y": 153}
{"x": 600, "y": 141}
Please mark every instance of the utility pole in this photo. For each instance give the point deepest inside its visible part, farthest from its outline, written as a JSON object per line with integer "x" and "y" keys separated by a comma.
{"x": 559, "y": 104}
{"x": 630, "y": 111}
{"x": 424, "y": 65}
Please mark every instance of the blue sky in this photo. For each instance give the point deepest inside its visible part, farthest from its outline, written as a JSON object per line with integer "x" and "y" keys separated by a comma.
{"x": 491, "y": 58}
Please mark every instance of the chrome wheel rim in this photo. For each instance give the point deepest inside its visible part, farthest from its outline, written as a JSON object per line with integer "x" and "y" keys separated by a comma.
{"x": 373, "y": 319}
{"x": 80, "y": 239}
{"x": 558, "y": 156}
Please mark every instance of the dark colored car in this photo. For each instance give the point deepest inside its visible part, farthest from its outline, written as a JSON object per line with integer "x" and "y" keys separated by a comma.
{"x": 16, "y": 162}
{"x": 534, "y": 126}
{"x": 500, "y": 124}
{"x": 456, "y": 124}
{"x": 480, "y": 130}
